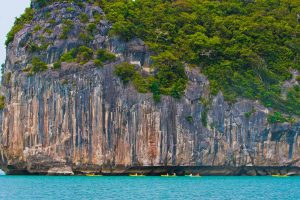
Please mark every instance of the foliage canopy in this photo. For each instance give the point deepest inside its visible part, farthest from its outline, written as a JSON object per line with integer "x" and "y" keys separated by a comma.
{"x": 246, "y": 48}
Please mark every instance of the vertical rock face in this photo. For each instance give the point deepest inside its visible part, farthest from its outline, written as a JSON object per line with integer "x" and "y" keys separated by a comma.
{"x": 83, "y": 119}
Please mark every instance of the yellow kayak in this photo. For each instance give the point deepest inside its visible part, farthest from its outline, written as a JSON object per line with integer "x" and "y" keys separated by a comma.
{"x": 92, "y": 175}
{"x": 280, "y": 176}
{"x": 136, "y": 174}
{"x": 168, "y": 175}
{"x": 191, "y": 175}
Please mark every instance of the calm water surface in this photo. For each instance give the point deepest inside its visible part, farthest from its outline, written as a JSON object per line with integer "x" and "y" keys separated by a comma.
{"x": 47, "y": 187}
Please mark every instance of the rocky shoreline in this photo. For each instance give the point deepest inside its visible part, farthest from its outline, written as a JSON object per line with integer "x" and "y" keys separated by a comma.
{"x": 162, "y": 170}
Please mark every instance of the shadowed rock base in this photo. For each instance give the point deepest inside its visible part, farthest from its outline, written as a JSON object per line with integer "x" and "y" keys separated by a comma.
{"x": 160, "y": 170}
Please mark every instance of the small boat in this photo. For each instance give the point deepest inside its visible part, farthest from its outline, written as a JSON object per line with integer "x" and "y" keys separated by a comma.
{"x": 136, "y": 174}
{"x": 168, "y": 175}
{"x": 191, "y": 175}
{"x": 92, "y": 175}
{"x": 280, "y": 176}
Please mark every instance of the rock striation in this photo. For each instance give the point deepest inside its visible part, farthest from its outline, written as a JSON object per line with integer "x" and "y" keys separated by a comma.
{"x": 81, "y": 119}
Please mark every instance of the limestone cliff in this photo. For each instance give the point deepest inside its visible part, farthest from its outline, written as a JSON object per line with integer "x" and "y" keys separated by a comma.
{"x": 82, "y": 119}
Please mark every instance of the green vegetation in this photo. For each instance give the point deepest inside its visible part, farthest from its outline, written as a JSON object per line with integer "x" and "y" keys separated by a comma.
{"x": 48, "y": 31}
{"x": 170, "y": 77}
{"x": 47, "y": 14}
{"x": 126, "y": 72}
{"x": 43, "y": 3}
{"x": 2, "y": 102}
{"x": 37, "y": 28}
{"x": 98, "y": 63}
{"x": 189, "y": 119}
{"x": 249, "y": 113}
{"x": 91, "y": 28}
{"x": 293, "y": 100}
{"x": 64, "y": 82}
{"x": 80, "y": 55}
{"x": 19, "y": 24}
{"x": 37, "y": 65}
{"x": 52, "y": 22}
{"x": 57, "y": 65}
{"x": 88, "y": 34}
{"x": 104, "y": 56}
{"x": 246, "y": 48}
{"x": 7, "y": 77}
{"x": 84, "y": 18}
{"x": 86, "y": 38}
{"x": 69, "y": 56}
{"x": 205, "y": 103}
{"x": 84, "y": 54}
{"x": 70, "y": 9}
{"x": 32, "y": 47}
{"x": 67, "y": 26}
{"x": 204, "y": 117}
{"x": 277, "y": 117}
{"x": 155, "y": 89}
{"x": 97, "y": 16}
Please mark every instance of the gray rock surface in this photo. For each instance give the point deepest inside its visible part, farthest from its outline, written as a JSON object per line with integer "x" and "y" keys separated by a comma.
{"x": 81, "y": 119}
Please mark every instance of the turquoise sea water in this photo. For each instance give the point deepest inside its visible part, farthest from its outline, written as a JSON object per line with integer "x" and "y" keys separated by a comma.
{"x": 47, "y": 187}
